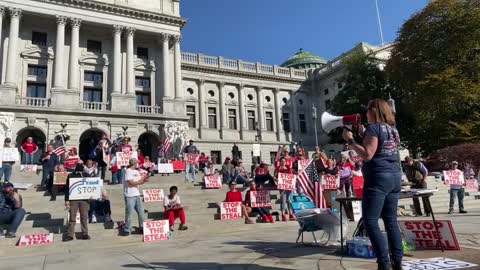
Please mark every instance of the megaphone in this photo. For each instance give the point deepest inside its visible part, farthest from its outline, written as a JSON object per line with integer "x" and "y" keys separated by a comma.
{"x": 330, "y": 122}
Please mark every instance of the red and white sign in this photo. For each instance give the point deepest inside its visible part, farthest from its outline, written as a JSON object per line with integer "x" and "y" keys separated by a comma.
{"x": 286, "y": 181}
{"x": 153, "y": 195}
{"x": 353, "y": 156}
{"x": 357, "y": 182}
{"x": 191, "y": 158}
{"x": 260, "y": 198}
{"x": 471, "y": 184}
{"x": 330, "y": 181}
{"x": 156, "y": 230}
{"x": 28, "y": 168}
{"x": 231, "y": 210}
{"x": 213, "y": 181}
{"x": 71, "y": 162}
{"x": 424, "y": 235}
{"x": 454, "y": 177}
{"x": 123, "y": 158}
{"x": 302, "y": 164}
{"x": 143, "y": 173}
{"x": 178, "y": 165}
{"x": 35, "y": 239}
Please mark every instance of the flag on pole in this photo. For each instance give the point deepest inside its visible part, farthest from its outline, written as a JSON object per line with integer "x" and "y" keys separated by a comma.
{"x": 165, "y": 147}
{"x": 309, "y": 182}
{"x": 59, "y": 146}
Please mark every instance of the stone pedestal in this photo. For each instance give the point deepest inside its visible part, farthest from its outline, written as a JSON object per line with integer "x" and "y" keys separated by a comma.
{"x": 65, "y": 98}
{"x": 8, "y": 94}
{"x": 123, "y": 103}
{"x": 174, "y": 107}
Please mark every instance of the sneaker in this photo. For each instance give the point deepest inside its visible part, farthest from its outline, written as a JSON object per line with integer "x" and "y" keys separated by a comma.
{"x": 172, "y": 229}
{"x": 270, "y": 219}
{"x": 10, "y": 235}
{"x": 94, "y": 219}
{"x": 108, "y": 218}
{"x": 124, "y": 233}
{"x": 67, "y": 238}
{"x": 284, "y": 218}
{"x": 450, "y": 211}
{"x": 84, "y": 236}
{"x": 463, "y": 212}
{"x": 291, "y": 217}
{"x": 182, "y": 227}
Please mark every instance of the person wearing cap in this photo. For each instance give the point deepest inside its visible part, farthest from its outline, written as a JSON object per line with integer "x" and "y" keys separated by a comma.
{"x": 241, "y": 174}
{"x": 228, "y": 170}
{"x": 6, "y": 169}
{"x": 262, "y": 175}
{"x": 71, "y": 159}
{"x": 29, "y": 148}
{"x": 417, "y": 173}
{"x": 190, "y": 169}
{"x": 131, "y": 191}
{"x": 11, "y": 211}
{"x": 456, "y": 191}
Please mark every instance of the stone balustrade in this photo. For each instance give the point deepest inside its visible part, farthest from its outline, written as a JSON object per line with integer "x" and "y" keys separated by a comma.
{"x": 145, "y": 109}
{"x": 94, "y": 106}
{"x": 34, "y": 102}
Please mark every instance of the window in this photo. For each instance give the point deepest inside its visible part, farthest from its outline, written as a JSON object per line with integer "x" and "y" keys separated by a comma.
{"x": 191, "y": 115}
{"x": 95, "y": 77}
{"x": 211, "y": 93}
{"x": 255, "y": 160}
{"x": 39, "y": 71}
{"x": 303, "y": 124}
{"x": 94, "y": 46}
{"x": 142, "y": 82}
{"x": 286, "y": 122}
{"x": 142, "y": 53}
{"x": 273, "y": 156}
{"x": 328, "y": 104}
{"x": 37, "y": 90}
{"x": 251, "y": 120}
{"x": 325, "y": 91}
{"x": 39, "y": 38}
{"x": 212, "y": 117}
{"x": 143, "y": 98}
{"x": 268, "y": 99}
{"x": 285, "y": 100}
{"x": 250, "y": 97}
{"x": 216, "y": 157}
{"x": 190, "y": 91}
{"x": 231, "y": 95}
{"x": 92, "y": 94}
{"x": 269, "y": 120}
{"x": 232, "y": 119}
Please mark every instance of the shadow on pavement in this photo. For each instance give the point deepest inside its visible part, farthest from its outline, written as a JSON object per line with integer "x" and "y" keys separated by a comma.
{"x": 285, "y": 249}
{"x": 199, "y": 265}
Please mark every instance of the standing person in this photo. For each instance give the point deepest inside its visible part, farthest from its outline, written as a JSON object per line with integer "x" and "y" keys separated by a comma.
{"x": 190, "y": 168}
{"x": 29, "y": 148}
{"x": 417, "y": 174}
{"x": 174, "y": 209}
{"x": 316, "y": 153}
{"x": 6, "y": 169}
{"x": 53, "y": 189}
{"x": 125, "y": 146}
{"x": 131, "y": 191}
{"x": 456, "y": 191}
{"x": 11, "y": 211}
{"x": 116, "y": 174}
{"x": 49, "y": 161}
{"x": 235, "y": 154}
{"x": 101, "y": 152}
{"x": 284, "y": 194}
{"x": 382, "y": 182}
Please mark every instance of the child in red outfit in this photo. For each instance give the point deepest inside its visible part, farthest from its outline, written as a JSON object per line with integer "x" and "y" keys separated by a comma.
{"x": 174, "y": 209}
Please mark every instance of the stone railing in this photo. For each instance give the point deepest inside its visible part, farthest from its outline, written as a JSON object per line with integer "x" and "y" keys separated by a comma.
{"x": 145, "y": 109}
{"x": 239, "y": 65}
{"x": 94, "y": 106}
{"x": 33, "y": 101}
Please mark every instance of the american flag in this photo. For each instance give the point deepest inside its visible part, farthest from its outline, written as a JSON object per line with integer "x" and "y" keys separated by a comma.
{"x": 309, "y": 182}
{"x": 59, "y": 146}
{"x": 165, "y": 147}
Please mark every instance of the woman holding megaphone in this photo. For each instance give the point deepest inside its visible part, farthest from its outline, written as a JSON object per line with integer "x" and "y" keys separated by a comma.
{"x": 382, "y": 181}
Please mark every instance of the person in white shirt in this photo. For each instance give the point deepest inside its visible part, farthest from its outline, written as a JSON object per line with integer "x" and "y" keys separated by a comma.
{"x": 174, "y": 209}
{"x": 133, "y": 201}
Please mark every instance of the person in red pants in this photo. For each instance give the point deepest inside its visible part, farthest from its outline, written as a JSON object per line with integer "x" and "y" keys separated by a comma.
{"x": 174, "y": 209}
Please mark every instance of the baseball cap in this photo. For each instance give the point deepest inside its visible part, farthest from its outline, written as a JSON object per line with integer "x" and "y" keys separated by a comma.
{"x": 454, "y": 162}
{"x": 7, "y": 184}
{"x": 133, "y": 161}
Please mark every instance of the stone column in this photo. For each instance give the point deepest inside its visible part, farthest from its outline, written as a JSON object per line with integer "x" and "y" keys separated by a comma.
{"x": 294, "y": 115}
{"x": 130, "y": 31}
{"x": 73, "y": 82}
{"x": 117, "y": 59}
{"x": 222, "y": 112}
{"x": 59, "y": 80}
{"x": 12, "y": 55}
{"x": 261, "y": 116}
{"x": 201, "y": 107}
{"x": 2, "y": 14}
{"x": 179, "y": 93}
{"x": 278, "y": 113}
{"x": 168, "y": 93}
{"x": 241, "y": 111}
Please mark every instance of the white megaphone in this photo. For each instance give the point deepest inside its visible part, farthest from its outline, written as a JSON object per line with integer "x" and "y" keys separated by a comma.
{"x": 331, "y": 122}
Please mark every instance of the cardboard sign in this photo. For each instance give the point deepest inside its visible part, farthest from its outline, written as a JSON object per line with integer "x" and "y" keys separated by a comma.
{"x": 28, "y": 168}
{"x": 231, "y": 210}
{"x": 439, "y": 263}
{"x": 165, "y": 168}
{"x": 123, "y": 158}
{"x": 330, "y": 181}
{"x": 156, "y": 230}
{"x": 178, "y": 165}
{"x": 256, "y": 149}
{"x": 354, "y": 158}
{"x": 286, "y": 181}
{"x": 153, "y": 195}
{"x": 10, "y": 154}
{"x": 35, "y": 239}
{"x": 71, "y": 162}
{"x": 260, "y": 198}
{"x": 357, "y": 210}
{"x": 471, "y": 184}
{"x": 60, "y": 178}
{"x": 85, "y": 188}
{"x": 454, "y": 177}
{"x": 191, "y": 158}
{"x": 302, "y": 164}
{"x": 213, "y": 181}
{"x": 424, "y": 235}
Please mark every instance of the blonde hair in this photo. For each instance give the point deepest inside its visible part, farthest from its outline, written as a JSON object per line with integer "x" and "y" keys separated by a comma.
{"x": 381, "y": 111}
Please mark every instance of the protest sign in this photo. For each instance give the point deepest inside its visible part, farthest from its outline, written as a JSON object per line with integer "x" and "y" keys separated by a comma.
{"x": 454, "y": 177}
{"x": 471, "y": 184}
{"x": 10, "y": 154}
{"x": 191, "y": 158}
{"x": 123, "y": 158}
{"x": 260, "y": 198}
{"x": 302, "y": 164}
{"x": 156, "y": 230}
{"x": 143, "y": 173}
{"x": 21, "y": 185}
{"x": 85, "y": 188}
{"x": 35, "y": 239}
{"x": 286, "y": 181}
{"x": 231, "y": 210}
{"x": 28, "y": 168}
{"x": 256, "y": 149}
{"x": 71, "y": 162}
{"x": 165, "y": 168}
{"x": 178, "y": 165}
{"x": 213, "y": 181}
{"x": 352, "y": 155}
{"x": 60, "y": 178}
{"x": 424, "y": 235}
{"x": 439, "y": 263}
{"x": 153, "y": 195}
{"x": 330, "y": 181}
{"x": 357, "y": 210}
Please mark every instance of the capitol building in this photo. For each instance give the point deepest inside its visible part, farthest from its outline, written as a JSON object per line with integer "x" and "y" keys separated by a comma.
{"x": 94, "y": 67}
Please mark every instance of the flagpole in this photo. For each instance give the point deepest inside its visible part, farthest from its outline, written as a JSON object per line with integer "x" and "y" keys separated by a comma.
{"x": 379, "y": 22}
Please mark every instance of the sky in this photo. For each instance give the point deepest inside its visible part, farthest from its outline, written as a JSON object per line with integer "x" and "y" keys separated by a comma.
{"x": 270, "y": 31}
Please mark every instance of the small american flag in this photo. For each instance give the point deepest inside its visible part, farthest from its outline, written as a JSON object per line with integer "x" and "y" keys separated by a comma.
{"x": 309, "y": 181}
{"x": 59, "y": 146}
{"x": 165, "y": 147}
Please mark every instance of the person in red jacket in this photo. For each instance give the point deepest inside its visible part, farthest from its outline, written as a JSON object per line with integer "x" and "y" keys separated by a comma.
{"x": 262, "y": 211}
{"x": 234, "y": 195}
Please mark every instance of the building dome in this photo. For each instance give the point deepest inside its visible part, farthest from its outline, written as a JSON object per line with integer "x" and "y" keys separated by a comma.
{"x": 304, "y": 60}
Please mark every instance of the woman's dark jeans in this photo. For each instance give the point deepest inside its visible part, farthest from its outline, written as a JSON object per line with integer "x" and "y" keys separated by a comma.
{"x": 380, "y": 200}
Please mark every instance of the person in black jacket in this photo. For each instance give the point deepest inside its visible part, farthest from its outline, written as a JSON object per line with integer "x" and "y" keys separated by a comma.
{"x": 100, "y": 153}
{"x": 49, "y": 161}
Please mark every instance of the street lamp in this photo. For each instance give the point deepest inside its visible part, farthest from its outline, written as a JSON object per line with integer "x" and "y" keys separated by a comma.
{"x": 314, "y": 117}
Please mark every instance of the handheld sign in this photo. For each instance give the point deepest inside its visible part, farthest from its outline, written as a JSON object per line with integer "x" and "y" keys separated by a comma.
{"x": 330, "y": 181}
{"x": 454, "y": 177}
{"x": 35, "y": 239}
{"x": 260, "y": 198}
{"x": 471, "y": 184}
{"x": 178, "y": 165}
{"x": 213, "y": 181}
{"x": 191, "y": 158}
{"x": 286, "y": 181}
{"x": 60, "y": 178}
{"x": 85, "y": 188}
{"x": 156, "y": 230}
{"x": 165, "y": 168}
{"x": 10, "y": 154}
{"x": 123, "y": 158}
{"x": 71, "y": 162}
{"x": 28, "y": 168}
{"x": 153, "y": 195}
{"x": 231, "y": 210}
{"x": 302, "y": 164}
{"x": 424, "y": 235}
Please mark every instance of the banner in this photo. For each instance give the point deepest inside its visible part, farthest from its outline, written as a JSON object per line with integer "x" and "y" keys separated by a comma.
{"x": 123, "y": 158}
{"x": 213, "y": 181}
{"x": 357, "y": 210}
{"x": 191, "y": 158}
{"x": 10, "y": 154}
{"x": 28, "y": 168}
{"x": 60, "y": 178}
{"x": 260, "y": 198}
{"x": 424, "y": 235}
{"x": 85, "y": 188}
{"x": 256, "y": 149}
{"x": 439, "y": 263}
{"x": 353, "y": 156}
{"x": 178, "y": 165}
{"x": 302, "y": 164}
{"x": 153, "y": 195}
{"x": 71, "y": 162}
{"x": 330, "y": 181}
{"x": 286, "y": 181}
{"x": 165, "y": 168}
{"x": 156, "y": 230}
{"x": 230, "y": 210}
{"x": 454, "y": 177}
{"x": 471, "y": 184}
{"x": 35, "y": 239}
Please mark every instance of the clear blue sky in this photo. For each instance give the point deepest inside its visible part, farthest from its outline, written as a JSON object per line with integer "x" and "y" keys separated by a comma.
{"x": 269, "y": 31}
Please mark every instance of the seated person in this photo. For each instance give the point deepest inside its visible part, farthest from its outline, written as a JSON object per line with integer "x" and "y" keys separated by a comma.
{"x": 236, "y": 196}
{"x": 174, "y": 209}
{"x": 148, "y": 165}
{"x": 209, "y": 169}
{"x": 90, "y": 169}
{"x": 100, "y": 207}
{"x": 241, "y": 174}
{"x": 11, "y": 211}
{"x": 262, "y": 211}
{"x": 262, "y": 175}
{"x": 228, "y": 170}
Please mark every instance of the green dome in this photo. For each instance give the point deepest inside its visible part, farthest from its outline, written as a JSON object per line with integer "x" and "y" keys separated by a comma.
{"x": 304, "y": 60}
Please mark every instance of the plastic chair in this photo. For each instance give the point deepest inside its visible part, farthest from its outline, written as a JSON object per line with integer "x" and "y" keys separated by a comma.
{"x": 307, "y": 223}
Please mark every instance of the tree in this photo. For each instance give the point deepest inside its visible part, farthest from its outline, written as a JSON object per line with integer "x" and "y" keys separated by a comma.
{"x": 434, "y": 71}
